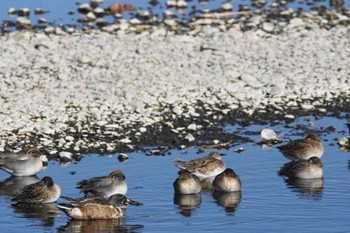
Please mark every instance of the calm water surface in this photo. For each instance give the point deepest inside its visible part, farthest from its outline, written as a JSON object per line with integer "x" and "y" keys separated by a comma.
{"x": 268, "y": 202}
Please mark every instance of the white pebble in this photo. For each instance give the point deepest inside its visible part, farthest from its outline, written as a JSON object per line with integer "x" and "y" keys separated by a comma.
{"x": 66, "y": 155}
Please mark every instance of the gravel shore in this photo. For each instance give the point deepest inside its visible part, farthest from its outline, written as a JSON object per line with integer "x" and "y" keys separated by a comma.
{"x": 100, "y": 91}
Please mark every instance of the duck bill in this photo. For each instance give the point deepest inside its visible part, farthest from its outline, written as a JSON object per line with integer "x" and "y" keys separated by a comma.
{"x": 132, "y": 202}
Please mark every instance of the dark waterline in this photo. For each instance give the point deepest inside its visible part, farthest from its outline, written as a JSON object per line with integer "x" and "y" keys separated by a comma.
{"x": 268, "y": 202}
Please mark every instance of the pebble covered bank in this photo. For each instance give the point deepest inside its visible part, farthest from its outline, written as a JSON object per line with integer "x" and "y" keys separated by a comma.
{"x": 99, "y": 90}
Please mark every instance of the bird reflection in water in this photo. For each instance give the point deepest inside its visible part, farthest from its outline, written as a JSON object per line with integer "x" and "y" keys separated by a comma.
{"x": 12, "y": 184}
{"x": 308, "y": 188}
{"x": 187, "y": 202}
{"x": 110, "y": 225}
{"x": 44, "y": 212}
{"x": 228, "y": 200}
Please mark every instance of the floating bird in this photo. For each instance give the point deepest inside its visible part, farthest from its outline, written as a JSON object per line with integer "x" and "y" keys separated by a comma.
{"x": 28, "y": 164}
{"x": 305, "y": 169}
{"x": 118, "y": 200}
{"x": 104, "y": 186}
{"x": 303, "y": 148}
{"x": 187, "y": 183}
{"x": 44, "y": 191}
{"x": 96, "y": 207}
{"x": 205, "y": 167}
{"x": 227, "y": 181}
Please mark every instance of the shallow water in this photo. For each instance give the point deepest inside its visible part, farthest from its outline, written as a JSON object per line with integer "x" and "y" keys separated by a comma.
{"x": 58, "y": 11}
{"x": 267, "y": 203}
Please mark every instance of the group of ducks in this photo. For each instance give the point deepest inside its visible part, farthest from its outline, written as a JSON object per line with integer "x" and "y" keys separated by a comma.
{"x": 105, "y": 195}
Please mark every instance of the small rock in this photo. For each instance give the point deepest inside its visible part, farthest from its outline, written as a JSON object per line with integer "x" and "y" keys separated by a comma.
{"x": 268, "y": 27}
{"x": 84, "y": 8}
{"x": 23, "y": 12}
{"x": 289, "y": 117}
{"x": 96, "y": 3}
{"x": 226, "y": 7}
{"x": 189, "y": 137}
{"x": 307, "y": 107}
{"x": 125, "y": 141}
{"x": 122, "y": 157}
{"x": 91, "y": 15}
{"x": 192, "y": 127}
{"x": 49, "y": 30}
{"x": 44, "y": 159}
{"x": 171, "y": 3}
{"x": 65, "y": 155}
{"x": 143, "y": 129}
{"x": 23, "y": 21}
{"x": 239, "y": 150}
{"x": 39, "y": 11}
{"x": 268, "y": 134}
{"x": 42, "y": 21}
{"x": 344, "y": 141}
{"x": 12, "y": 11}
{"x": 181, "y": 4}
{"x": 215, "y": 141}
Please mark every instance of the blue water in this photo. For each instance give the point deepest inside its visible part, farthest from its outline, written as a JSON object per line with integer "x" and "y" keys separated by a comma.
{"x": 267, "y": 204}
{"x": 58, "y": 10}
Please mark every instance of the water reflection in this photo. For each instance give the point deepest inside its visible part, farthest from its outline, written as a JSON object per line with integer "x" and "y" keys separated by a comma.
{"x": 187, "y": 202}
{"x": 228, "y": 200}
{"x": 308, "y": 188}
{"x": 12, "y": 184}
{"x": 110, "y": 225}
{"x": 44, "y": 212}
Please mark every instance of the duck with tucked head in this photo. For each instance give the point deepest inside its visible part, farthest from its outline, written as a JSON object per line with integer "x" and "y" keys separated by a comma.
{"x": 187, "y": 183}
{"x": 305, "y": 169}
{"x": 44, "y": 191}
{"x": 104, "y": 186}
{"x": 227, "y": 181}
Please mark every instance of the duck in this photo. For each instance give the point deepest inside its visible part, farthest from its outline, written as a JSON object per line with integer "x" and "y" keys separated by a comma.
{"x": 96, "y": 207}
{"x": 227, "y": 181}
{"x": 303, "y": 149}
{"x": 205, "y": 167}
{"x": 118, "y": 199}
{"x": 44, "y": 191}
{"x": 104, "y": 186}
{"x": 27, "y": 164}
{"x": 187, "y": 183}
{"x": 304, "y": 169}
